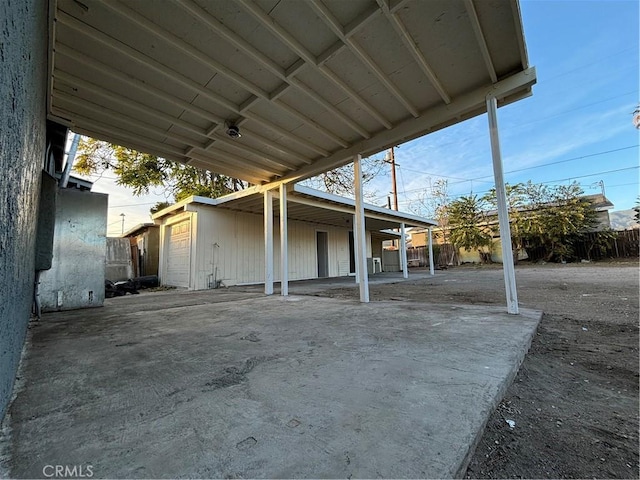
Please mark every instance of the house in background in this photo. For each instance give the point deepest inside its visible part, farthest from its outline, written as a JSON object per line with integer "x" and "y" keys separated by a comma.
{"x": 419, "y": 236}
{"x": 601, "y": 205}
{"x": 145, "y": 248}
{"x": 206, "y": 242}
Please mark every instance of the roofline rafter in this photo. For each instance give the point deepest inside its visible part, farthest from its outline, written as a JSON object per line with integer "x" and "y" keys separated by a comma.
{"x": 62, "y": 49}
{"x": 465, "y": 106}
{"x": 120, "y": 118}
{"x": 356, "y": 49}
{"x": 263, "y": 157}
{"x": 137, "y": 84}
{"x": 202, "y": 15}
{"x": 413, "y": 49}
{"x": 72, "y": 81}
{"x": 482, "y": 42}
{"x": 217, "y": 67}
{"x": 229, "y": 162}
{"x": 167, "y": 72}
{"x": 307, "y": 57}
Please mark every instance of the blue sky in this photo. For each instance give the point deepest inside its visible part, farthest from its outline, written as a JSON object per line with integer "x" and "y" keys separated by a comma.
{"x": 577, "y": 125}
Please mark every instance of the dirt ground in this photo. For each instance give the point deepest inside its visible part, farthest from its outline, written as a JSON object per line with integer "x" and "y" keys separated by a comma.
{"x": 572, "y": 411}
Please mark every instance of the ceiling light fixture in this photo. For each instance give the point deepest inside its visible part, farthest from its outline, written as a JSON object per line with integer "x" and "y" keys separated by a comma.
{"x": 233, "y": 131}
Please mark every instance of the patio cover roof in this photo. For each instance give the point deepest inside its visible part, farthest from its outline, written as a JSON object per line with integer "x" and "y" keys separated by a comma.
{"x": 309, "y": 83}
{"x": 308, "y": 205}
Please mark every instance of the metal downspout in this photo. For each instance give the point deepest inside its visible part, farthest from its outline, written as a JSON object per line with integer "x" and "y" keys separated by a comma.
{"x": 71, "y": 156}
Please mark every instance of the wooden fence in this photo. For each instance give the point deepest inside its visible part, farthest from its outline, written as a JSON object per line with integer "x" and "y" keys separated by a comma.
{"x": 625, "y": 245}
{"x": 442, "y": 254}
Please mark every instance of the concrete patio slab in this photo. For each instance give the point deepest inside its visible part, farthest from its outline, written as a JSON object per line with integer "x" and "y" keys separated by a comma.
{"x": 227, "y": 384}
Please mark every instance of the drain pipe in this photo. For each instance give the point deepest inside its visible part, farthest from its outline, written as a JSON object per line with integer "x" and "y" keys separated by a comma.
{"x": 64, "y": 179}
{"x": 37, "y": 310}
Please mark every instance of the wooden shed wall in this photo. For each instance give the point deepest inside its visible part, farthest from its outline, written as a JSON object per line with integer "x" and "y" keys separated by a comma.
{"x": 234, "y": 243}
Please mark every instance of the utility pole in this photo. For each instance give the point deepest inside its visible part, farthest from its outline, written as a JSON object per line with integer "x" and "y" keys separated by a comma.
{"x": 122, "y": 232}
{"x": 391, "y": 158}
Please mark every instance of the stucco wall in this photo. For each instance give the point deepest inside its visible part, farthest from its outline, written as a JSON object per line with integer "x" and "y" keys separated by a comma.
{"x": 76, "y": 277}
{"x": 23, "y": 65}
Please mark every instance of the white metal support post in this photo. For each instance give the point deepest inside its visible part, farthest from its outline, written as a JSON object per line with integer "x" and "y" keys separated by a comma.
{"x": 503, "y": 213}
{"x": 284, "y": 243}
{"x": 268, "y": 242}
{"x": 431, "y": 269}
{"x": 355, "y": 246}
{"x": 361, "y": 244}
{"x": 403, "y": 251}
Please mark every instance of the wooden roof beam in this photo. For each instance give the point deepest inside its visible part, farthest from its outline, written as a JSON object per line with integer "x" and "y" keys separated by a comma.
{"x": 198, "y": 55}
{"x": 307, "y": 57}
{"x": 332, "y": 22}
{"x": 482, "y": 43}
{"x": 119, "y": 118}
{"x": 202, "y": 15}
{"x": 411, "y": 46}
{"x": 85, "y": 60}
{"x": 74, "y": 82}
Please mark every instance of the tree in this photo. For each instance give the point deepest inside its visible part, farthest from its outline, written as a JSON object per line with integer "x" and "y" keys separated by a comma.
{"x": 518, "y": 220}
{"x": 341, "y": 180}
{"x": 601, "y": 241}
{"x": 159, "y": 206}
{"x": 636, "y": 209}
{"x": 434, "y": 203}
{"x": 547, "y": 218}
{"x": 560, "y": 216}
{"x": 469, "y": 227}
{"x": 141, "y": 171}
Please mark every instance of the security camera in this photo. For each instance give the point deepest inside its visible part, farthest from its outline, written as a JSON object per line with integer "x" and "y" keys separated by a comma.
{"x": 233, "y": 131}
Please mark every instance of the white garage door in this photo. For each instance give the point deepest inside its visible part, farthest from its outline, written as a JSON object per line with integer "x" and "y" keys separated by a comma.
{"x": 178, "y": 254}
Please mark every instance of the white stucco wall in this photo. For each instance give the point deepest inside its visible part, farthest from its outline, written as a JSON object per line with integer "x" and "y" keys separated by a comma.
{"x": 76, "y": 278}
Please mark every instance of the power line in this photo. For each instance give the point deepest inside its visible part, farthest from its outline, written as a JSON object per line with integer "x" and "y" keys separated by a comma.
{"x": 563, "y": 161}
{"x": 434, "y": 174}
{"x": 577, "y": 108}
{"x": 525, "y": 168}
{"x": 594, "y": 174}
{"x": 556, "y": 181}
{"x": 590, "y": 64}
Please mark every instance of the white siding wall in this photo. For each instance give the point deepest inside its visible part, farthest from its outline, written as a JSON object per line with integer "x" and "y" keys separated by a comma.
{"x": 234, "y": 243}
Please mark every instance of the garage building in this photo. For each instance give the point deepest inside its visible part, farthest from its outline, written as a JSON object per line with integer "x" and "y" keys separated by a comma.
{"x": 205, "y": 243}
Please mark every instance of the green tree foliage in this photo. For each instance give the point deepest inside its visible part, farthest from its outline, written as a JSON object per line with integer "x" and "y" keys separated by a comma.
{"x": 546, "y": 218}
{"x": 602, "y": 240}
{"x": 141, "y": 171}
{"x": 159, "y": 206}
{"x": 636, "y": 209}
{"x": 469, "y": 227}
{"x": 520, "y": 222}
